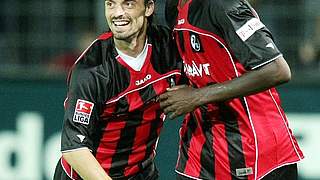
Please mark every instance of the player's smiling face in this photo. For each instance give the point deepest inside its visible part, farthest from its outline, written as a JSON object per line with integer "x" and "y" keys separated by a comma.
{"x": 127, "y": 18}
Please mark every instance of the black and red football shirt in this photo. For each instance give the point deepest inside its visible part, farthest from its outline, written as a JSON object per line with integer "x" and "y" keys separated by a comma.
{"x": 111, "y": 108}
{"x": 243, "y": 138}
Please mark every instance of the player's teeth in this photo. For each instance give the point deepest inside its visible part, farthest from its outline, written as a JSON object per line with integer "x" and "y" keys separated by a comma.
{"x": 120, "y": 23}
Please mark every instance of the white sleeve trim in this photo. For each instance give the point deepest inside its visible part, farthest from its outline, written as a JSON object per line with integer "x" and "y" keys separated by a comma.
{"x": 266, "y": 62}
{"x": 76, "y": 149}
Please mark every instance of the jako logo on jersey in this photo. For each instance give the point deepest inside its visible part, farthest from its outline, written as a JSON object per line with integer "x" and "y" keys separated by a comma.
{"x": 180, "y": 21}
{"x": 83, "y": 111}
{"x": 141, "y": 81}
{"x": 195, "y": 42}
{"x": 196, "y": 70}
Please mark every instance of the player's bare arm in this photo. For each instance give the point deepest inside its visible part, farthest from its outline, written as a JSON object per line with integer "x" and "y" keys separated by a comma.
{"x": 86, "y": 164}
{"x": 179, "y": 101}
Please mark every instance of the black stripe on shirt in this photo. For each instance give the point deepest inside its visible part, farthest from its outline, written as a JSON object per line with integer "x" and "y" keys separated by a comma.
{"x": 234, "y": 140}
{"x": 153, "y": 135}
{"x": 127, "y": 137}
{"x": 147, "y": 94}
{"x": 207, "y": 155}
{"x": 186, "y": 138}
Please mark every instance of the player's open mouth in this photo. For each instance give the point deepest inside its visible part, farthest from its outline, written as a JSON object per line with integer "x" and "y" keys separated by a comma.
{"x": 121, "y": 23}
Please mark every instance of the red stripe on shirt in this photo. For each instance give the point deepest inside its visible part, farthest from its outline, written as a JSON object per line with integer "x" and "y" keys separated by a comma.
{"x": 194, "y": 153}
{"x": 108, "y": 143}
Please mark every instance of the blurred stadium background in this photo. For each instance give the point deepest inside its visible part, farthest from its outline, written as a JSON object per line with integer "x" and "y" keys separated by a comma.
{"x": 39, "y": 40}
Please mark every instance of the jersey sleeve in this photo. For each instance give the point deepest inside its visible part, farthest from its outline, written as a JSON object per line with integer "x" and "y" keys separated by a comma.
{"x": 81, "y": 107}
{"x": 249, "y": 39}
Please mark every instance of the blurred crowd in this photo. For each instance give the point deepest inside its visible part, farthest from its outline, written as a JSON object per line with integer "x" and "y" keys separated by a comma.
{"x": 50, "y": 35}
{"x": 309, "y": 49}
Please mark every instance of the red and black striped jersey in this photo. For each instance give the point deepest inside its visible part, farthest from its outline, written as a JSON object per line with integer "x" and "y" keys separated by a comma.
{"x": 243, "y": 138}
{"x": 111, "y": 108}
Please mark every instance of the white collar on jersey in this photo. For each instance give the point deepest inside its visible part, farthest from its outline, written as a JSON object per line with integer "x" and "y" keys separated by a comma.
{"x": 135, "y": 63}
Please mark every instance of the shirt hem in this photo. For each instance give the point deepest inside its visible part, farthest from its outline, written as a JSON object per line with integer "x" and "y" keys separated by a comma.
{"x": 188, "y": 176}
{"x": 259, "y": 178}
{"x": 279, "y": 166}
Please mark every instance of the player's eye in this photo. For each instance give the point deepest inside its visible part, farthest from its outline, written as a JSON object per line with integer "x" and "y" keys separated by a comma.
{"x": 109, "y": 4}
{"x": 129, "y": 4}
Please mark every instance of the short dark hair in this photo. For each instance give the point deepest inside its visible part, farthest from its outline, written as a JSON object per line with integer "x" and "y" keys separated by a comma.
{"x": 146, "y": 1}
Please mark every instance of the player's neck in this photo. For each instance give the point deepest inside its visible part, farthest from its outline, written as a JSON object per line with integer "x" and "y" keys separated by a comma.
{"x": 132, "y": 46}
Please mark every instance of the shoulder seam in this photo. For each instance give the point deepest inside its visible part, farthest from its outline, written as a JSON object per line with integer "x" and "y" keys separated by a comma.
{"x": 78, "y": 59}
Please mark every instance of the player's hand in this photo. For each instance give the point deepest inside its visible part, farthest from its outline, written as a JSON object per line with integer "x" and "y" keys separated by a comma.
{"x": 178, "y": 100}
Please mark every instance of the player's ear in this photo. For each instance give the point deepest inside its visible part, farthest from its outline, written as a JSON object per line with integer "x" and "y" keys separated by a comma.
{"x": 149, "y": 8}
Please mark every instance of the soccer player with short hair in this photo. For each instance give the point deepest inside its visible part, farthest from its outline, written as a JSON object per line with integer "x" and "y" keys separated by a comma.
{"x": 112, "y": 120}
{"x": 234, "y": 126}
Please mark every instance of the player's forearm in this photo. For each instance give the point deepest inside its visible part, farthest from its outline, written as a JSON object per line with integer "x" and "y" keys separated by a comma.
{"x": 252, "y": 82}
{"x": 85, "y": 164}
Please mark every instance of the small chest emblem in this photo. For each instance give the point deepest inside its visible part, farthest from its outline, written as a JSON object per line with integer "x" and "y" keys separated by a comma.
{"x": 195, "y": 43}
{"x": 180, "y": 21}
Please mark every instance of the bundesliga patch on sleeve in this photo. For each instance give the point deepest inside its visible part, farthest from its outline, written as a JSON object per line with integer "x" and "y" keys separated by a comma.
{"x": 249, "y": 28}
{"x": 83, "y": 111}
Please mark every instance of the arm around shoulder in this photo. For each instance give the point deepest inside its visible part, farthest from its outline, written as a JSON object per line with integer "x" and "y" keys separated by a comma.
{"x": 254, "y": 81}
{"x": 181, "y": 100}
